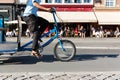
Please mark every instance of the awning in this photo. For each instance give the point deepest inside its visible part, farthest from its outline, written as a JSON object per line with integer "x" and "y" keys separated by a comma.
{"x": 108, "y": 18}
{"x": 70, "y": 16}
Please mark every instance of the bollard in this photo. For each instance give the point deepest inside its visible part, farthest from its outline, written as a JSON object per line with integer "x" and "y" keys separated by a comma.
{"x": 2, "y": 32}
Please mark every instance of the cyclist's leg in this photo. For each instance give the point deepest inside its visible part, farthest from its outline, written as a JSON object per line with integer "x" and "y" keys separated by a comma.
{"x": 43, "y": 23}
{"x": 31, "y": 22}
{"x": 35, "y": 46}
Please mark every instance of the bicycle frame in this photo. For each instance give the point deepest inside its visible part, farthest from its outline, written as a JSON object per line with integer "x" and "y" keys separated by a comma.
{"x": 24, "y": 46}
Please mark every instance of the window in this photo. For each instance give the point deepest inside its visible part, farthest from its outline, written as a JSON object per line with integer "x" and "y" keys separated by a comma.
{"x": 48, "y": 1}
{"x": 78, "y": 1}
{"x": 87, "y": 1}
{"x": 98, "y": 1}
{"x": 110, "y": 3}
{"x": 58, "y": 1}
{"x": 68, "y": 1}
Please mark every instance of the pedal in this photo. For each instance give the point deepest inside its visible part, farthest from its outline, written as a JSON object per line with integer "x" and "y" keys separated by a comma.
{"x": 40, "y": 49}
{"x": 40, "y": 40}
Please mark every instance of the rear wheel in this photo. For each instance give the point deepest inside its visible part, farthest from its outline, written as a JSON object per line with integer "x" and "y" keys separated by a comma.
{"x": 65, "y": 50}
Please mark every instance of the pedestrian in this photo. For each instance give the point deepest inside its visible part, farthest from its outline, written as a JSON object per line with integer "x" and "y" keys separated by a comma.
{"x": 83, "y": 32}
{"x": 101, "y": 32}
{"x": 33, "y": 21}
{"x": 117, "y": 32}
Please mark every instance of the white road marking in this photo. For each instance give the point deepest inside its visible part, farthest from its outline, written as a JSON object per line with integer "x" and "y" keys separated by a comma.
{"x": 78, "y": 47}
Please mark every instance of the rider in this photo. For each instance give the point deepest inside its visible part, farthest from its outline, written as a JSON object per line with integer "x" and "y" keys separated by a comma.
{"x": 36, "y": 24}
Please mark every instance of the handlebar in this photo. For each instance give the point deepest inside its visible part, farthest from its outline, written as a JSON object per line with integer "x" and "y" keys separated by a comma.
{"x": 53, "y": 10}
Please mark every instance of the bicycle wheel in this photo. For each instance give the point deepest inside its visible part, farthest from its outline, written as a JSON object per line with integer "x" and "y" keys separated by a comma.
{"x": 65, "y": 53}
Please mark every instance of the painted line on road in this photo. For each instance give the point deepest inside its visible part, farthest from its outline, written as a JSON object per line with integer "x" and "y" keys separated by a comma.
{"x": 78, "y": 47}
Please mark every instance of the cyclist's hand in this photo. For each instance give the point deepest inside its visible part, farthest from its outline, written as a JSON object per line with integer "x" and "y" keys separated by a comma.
{"x": 49, "y": 10}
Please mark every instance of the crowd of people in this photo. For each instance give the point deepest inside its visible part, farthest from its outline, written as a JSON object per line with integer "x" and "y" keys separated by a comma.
{"x": 67, "y": 31}
{"x": 80, "y": 31}
{"x": 100, "y": 32}
{"x": 11, "y": 33}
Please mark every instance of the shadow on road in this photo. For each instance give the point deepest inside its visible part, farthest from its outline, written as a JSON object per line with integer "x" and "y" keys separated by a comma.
{"x": 85, "y": 57}
{"x": 50, "y": 58}
{"x": 28, "y": 59}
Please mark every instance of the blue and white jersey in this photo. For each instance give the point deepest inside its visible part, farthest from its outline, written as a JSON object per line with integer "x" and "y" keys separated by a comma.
{"x": 30, "y": 8}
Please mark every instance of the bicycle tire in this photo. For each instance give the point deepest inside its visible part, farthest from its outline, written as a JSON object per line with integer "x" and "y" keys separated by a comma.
{"x": 68, "y": 53}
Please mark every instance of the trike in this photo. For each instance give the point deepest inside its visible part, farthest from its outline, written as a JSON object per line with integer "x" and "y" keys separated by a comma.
{"x": 64, "y": 50}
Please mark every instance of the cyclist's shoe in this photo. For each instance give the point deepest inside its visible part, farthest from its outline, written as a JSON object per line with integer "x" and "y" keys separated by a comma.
{"x": 36, "y": 54}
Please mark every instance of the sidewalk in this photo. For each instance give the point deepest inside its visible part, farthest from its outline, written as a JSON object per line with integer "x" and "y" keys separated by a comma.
{"x": 61, "y": 76}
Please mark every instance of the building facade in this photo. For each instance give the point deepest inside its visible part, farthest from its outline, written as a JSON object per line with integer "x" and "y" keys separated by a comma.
{"x": 7, "y": 9}
{"x": 107, "y": 13}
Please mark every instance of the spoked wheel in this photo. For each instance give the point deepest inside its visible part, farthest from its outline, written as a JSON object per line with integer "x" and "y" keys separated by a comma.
{"x": 65, "y": 50}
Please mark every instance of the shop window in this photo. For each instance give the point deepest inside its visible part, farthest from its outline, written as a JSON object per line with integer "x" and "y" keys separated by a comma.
{"x": 110, "y": 3}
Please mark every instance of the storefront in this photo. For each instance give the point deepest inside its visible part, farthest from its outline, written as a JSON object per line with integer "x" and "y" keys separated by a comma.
{"x": 74, "y": 15}
{"x": 7, "y": 9}
{"x": 108, "y": 18}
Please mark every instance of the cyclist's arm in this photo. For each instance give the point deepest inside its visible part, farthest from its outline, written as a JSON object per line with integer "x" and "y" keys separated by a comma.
{"x": 41, "y": 7}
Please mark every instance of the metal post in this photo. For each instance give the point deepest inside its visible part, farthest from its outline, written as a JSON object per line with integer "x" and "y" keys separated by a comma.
{"x": 2, "y": 32}
{"x": 19, "y": 24}
{"x": 19, "y": 30}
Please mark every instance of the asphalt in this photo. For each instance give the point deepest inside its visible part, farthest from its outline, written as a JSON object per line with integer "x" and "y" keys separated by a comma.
{"x": 86, "y": 43}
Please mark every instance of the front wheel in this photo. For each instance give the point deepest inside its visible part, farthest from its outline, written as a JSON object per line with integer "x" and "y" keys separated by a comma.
{"x": 65, "y": 50}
